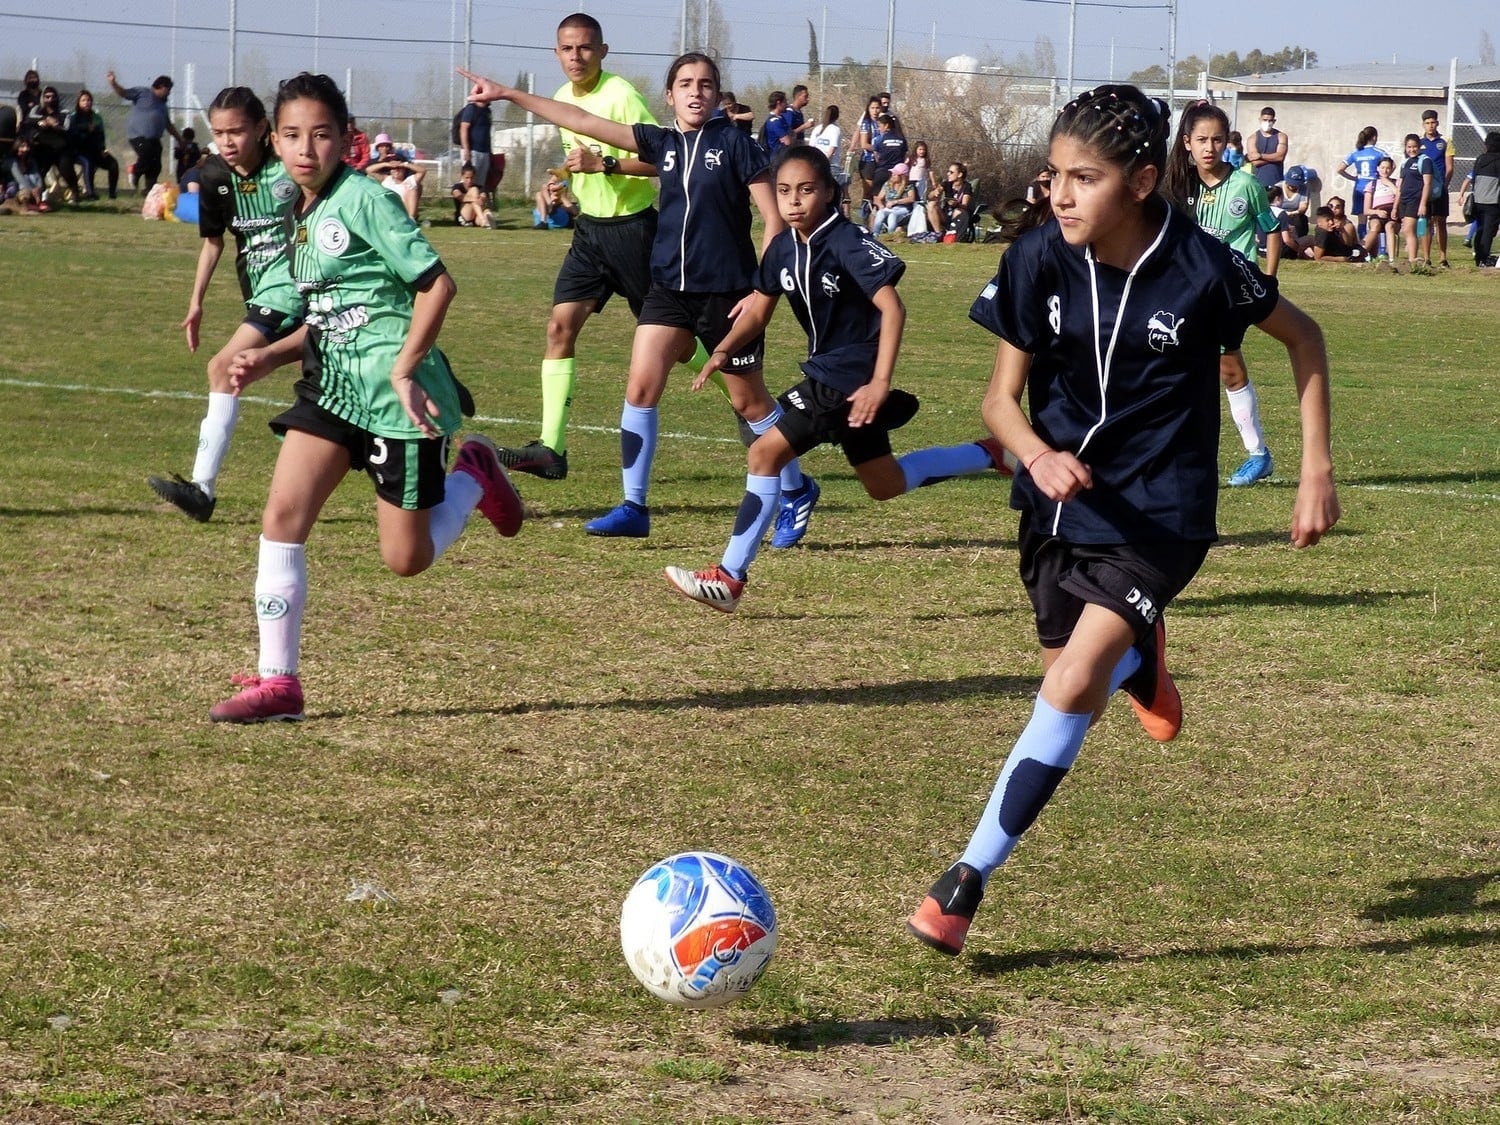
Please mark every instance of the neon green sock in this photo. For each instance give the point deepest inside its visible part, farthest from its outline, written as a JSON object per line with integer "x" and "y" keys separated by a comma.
{"x": 559, "y": 376}
{"x": 696, "y": 363}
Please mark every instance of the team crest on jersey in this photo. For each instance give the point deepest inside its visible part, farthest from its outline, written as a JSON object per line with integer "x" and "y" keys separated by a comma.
{"x": 332, "y": 237}
{"x": 283, "y": 190}
{"x": 830, "y": 284}
{"x": 1162, "y": 329}
{"x": 1238, "y": 207}
{"x": 713, "y": 158}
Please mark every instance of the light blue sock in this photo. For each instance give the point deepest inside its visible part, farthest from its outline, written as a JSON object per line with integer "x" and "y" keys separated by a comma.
{"x": 934, "y": 465}
{"x": 757, "y": 510}
{"x": 1042, "y": 756}
{"x": 638, "y": 426}
{"x": 791, "y": 475}
{"x": 1125, "y": 669}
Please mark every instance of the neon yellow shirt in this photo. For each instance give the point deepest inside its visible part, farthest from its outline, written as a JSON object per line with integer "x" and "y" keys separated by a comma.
{"x": 601, "y": 196}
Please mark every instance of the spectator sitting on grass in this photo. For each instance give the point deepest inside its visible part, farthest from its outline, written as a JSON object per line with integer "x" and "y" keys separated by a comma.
{"x": 1329, "y": 242}
{"x": 471, "y": 204}
{"x": 555, "y": 206}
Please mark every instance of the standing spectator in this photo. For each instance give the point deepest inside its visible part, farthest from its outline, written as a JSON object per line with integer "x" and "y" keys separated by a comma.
{"x": 1365, "y": 160}
{"x": 147, "y": 121}
{"x": 86, "y": 135}
{"x": 1380, "y": 209}
{"x": 1416, "y": 196}
{"x": 1267, "y": 157}
{"x": 31, "y": 94}
{"x": 1234, "y": 151}
{"x": 356, "y": 147}
{"x": 827, "y": 138}
{"x": 890, "y": 150}
{"x": 796, "y": 118}
{"x": 1439, "y": 150}
{"x": 885, "y": 108}
{"x": 1487, "y": 200}
{"x": 777, "y": 131}
{"x": 865, "y": 141}
{"x": 187, "y": 153}
{"x": 474, "y": 122}
{"x": 738, "y": 112}
{"x": 921, "y": 168}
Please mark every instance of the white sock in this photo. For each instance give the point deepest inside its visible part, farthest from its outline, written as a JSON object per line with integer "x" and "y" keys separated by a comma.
{"x": 280, "y": 598}
{"x": 446, "y": 522}
{"x": 1244, "y": 408}
{"x": 213, "y": 438}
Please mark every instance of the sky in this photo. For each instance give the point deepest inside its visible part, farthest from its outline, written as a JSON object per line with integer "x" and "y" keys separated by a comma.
{"x": 388, "y": 49}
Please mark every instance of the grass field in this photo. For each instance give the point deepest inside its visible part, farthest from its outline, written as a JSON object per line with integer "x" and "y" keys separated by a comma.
{"x": 405, "y": 908}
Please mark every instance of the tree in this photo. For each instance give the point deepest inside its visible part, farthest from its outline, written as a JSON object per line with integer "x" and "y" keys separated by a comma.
{"x": 1231, "y": 65}
{"x": 1153, "y": 76}
{"x": 814, "y": 60}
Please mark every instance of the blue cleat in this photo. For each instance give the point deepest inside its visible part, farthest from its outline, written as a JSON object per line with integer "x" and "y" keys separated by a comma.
{"x": 1256, "y": 467}
{"x": 793, "y": 513}
{"x": 628, "y": 521}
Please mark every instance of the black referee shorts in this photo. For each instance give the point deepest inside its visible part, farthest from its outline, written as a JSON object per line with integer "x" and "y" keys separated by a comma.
{"x": 608, "y": 256}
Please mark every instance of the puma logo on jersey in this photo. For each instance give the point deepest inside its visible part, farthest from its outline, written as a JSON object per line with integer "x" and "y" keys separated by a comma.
{"x": 713, "y": 158}
{"x": 1162, "y": 330}
{"x": 830, "y": 284}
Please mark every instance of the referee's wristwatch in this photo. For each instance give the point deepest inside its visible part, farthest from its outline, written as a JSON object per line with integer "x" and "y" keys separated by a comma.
{"x": 611, "y": 165}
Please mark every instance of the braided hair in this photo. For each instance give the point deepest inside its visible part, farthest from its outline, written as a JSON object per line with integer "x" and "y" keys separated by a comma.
{"x": 1120, "y": 123}
{"x": 242, "y": 99}
{"x": 1181, "y": 175}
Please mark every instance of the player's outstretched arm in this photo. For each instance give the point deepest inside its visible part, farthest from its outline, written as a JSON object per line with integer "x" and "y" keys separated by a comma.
{"x": 1317, "y": 506}
{"x": 570, "y": 117}
{"x": 750, "y": 315}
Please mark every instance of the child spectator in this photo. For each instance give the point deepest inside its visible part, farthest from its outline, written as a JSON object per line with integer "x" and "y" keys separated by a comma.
{"x": 556, "y": 207}
{"x": 1329, "y": 241}
{"x": 1416, "y": 191}
{"x": 187, "y": 153}
{"x": 471, "y": 204}
{"x": 1380, "y": 210}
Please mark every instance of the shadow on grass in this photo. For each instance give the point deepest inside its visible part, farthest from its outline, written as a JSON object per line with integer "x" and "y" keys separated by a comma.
{"x": 1455, "y": 477}
{"x": 861, "y": 695}
{"x": 994, "y": 964}
{"x": 1306, "y": 599}
{"x": 1429, "y": 898}
{"x": 815, "y": 1035}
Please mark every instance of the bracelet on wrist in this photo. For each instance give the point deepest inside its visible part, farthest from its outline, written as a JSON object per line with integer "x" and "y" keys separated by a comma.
{"x": 1035, "y": 457}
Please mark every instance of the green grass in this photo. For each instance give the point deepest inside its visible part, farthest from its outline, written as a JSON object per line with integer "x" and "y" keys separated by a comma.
{"x": 1290, "y": 914}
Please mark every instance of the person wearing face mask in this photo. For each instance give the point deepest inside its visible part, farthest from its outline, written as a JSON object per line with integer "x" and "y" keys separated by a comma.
{"x": 1266, "y": 153}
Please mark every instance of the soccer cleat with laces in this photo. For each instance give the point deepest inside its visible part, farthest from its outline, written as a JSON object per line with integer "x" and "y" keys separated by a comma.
{"x": 1256, "y": 467}
{"x": 628, "y": 521}
{"x": 792, "y": 514}
{"x": 1004, "y": 461}
{"x": 943, "y": 919}
{"x": 261, "y": 699}
{"x": 714, "y": 587}
{"x": 535, "y": 458}
{"x": 1153, "y": 694}
{"x": 184, "y": 495}
{"x": 500, "y": 504}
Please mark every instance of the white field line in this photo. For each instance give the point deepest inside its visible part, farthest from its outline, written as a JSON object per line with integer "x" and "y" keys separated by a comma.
{"x": 83, "y": 388}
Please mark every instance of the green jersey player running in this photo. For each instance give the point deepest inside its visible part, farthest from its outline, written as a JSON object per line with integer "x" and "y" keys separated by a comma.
{"x": 375, "y": 395}
{"x": 1231, "y": 205}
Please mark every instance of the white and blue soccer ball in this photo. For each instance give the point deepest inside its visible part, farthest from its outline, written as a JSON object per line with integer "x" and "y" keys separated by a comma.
{"x": 698, "y": 930}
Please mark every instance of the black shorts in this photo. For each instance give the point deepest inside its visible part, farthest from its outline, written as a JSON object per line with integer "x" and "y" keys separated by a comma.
{"x": 270, "y": 323}
{"x": 410, "y": 473}
{"x": 706, "y": 316}
{"x": 814, "y": 414}
{"x": 1437, "y": 206}
{"x": 608, "y": 256}
{"x": 1135, "y": 581}
{"x": 1409, "y": 207}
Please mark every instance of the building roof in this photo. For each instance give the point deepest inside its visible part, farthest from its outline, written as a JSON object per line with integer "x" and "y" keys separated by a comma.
{"x": 1431, "y": 79}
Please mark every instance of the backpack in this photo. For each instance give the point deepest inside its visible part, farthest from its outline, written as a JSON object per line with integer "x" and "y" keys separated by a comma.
{"x": 458, "y": 137}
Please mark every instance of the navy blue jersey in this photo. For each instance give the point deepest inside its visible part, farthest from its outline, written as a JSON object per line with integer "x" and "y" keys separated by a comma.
{"x": 829, "y": 280}
{"x": 890, "y": 149}
{"x": 1411, "y": 175}
{"x": 1125, "y": 374}
{"x": 703, "y": 238}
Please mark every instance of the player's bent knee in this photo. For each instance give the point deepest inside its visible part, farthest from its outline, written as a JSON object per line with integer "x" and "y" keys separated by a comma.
{"x": 406, "y": 560}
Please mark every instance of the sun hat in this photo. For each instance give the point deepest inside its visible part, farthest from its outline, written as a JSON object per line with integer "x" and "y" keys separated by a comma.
{"x": 901, "y": 170}
{"x": 383, "y": 139}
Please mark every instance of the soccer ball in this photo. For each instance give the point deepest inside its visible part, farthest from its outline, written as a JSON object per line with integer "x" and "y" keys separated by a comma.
{"x": 698, "y": 929}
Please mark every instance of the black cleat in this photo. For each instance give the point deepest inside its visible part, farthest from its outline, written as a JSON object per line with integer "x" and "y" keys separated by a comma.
{"x": 535, "y": 458}
{"x": 185, "y": 495}
{"x": 942, "y": 921}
